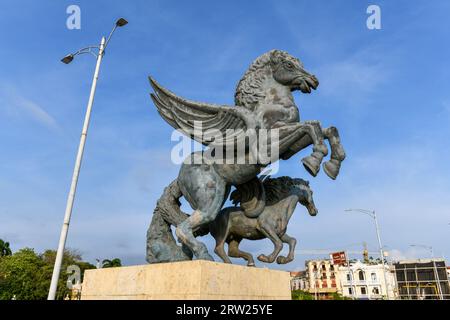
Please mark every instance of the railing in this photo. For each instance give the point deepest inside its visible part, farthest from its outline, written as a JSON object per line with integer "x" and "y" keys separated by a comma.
{"x": 362, "y": 282}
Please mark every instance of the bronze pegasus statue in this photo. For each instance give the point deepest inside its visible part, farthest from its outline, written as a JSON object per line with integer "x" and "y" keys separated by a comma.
{"x": 263, "y": 101}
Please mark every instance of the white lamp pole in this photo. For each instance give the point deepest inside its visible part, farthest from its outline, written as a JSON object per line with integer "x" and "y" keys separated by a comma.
{"x": 373, "y": 215}
{"x": 73, "y": 187}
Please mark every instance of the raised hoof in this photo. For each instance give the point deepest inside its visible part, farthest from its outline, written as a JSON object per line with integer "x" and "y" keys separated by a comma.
{"x": 282, "y": 260}
{"x": 332, "y": 168}
{"x": 264, "y": 258}
{"x": 312, "y": 165}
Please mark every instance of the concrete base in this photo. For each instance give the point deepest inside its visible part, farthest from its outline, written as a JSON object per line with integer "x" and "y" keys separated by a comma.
{"x": 187, "y": 280}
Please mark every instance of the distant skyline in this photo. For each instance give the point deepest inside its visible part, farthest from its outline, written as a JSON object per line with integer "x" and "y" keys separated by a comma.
{"x": 386, "y": 90}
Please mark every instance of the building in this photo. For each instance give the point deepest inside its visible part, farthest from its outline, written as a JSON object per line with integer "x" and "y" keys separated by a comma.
{"x": 321, "y": 278}
{"x": 365, "y": 281}
{"x": 422, "y": 279}
{"x": 299, "y": 281}
{"x": 448, "y": 273}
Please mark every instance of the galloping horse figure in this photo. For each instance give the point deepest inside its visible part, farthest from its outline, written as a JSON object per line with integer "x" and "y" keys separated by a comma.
{"x": 232, "y": 225}
{"x": 263, "y": 101}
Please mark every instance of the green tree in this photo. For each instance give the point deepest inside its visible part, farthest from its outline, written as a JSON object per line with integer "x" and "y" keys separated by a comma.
{"x": 376, "y": 261}
{"x": 26, "y": 275}
{"x": 111, "y": 263}
{"x": 21, "y": 276}
{"x": 5, "y": 250}
{"x": 337, "y": 296}
{"x": 301, "y": 295}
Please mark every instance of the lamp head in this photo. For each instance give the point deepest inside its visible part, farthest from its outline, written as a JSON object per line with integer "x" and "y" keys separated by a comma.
{"x": 121, "y": 22}
{"x": 67, "y": 59}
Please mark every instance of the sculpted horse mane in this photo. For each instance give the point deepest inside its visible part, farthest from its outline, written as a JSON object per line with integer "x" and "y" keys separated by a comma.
{"x": 278, "y": 188}
{"x": 249, "y": 91}
{"x": 274, "y": 190}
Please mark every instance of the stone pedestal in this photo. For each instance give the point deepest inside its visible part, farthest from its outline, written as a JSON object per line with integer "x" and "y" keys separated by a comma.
{"x": 187, "y": 280}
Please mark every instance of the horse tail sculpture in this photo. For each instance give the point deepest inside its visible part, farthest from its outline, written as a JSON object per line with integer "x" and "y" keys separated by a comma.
{"x": 161, "y": 244}
{"x": 251, "y": 196}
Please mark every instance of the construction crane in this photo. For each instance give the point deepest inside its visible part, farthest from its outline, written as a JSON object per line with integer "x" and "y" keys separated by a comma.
{"x": 328, "y": 251}
{"x": 365, "y": 251}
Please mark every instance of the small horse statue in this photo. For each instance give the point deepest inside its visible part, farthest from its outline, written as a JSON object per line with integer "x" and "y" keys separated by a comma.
{"x": 232, "y": 225}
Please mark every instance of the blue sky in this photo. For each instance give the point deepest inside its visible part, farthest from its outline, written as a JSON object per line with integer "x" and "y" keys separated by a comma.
{"x": 386, "y": 90}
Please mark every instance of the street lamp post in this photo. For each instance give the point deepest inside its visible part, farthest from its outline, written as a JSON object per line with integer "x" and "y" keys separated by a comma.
{"x": 373, "y": 215}
{"x": 71, "y": 197}
{"x": 436, "y": 274}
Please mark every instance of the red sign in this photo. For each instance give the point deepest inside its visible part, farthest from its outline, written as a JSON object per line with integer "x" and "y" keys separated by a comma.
{"x": 339, "y": 258}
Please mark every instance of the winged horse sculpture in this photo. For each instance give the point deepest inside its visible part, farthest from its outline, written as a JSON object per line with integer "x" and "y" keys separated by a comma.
{"x": 263, "y": 101}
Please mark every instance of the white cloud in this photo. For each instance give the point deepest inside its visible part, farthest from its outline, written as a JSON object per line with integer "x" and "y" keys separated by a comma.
{"x": 35, "y": 111}
{"x": 14, "y": 103}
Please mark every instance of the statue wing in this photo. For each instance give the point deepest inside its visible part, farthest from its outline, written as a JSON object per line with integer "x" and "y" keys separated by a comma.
{"x": 182, "y": 114}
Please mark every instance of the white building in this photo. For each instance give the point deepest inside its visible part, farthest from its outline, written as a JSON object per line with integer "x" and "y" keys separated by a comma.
{"x": 299, "y": 281}
{"x": 366, "y": 281}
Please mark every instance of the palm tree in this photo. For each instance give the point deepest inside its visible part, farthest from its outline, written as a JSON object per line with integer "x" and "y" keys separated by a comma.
{"x": 5, "y": 250}
{"x": 111, "y": 263}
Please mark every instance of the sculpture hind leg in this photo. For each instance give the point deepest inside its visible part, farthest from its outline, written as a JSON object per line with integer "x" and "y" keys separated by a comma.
{"x": 233, "y": 251}
{"x": 186, "y": 237}
{"x": 199, "y": 217}
{"x": 219, "y": 230}
{"x": 205, "y": 190}
{"x": 220, "y": 250}
{"x": 291, "y": 242}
